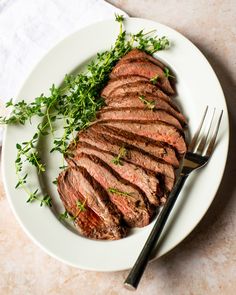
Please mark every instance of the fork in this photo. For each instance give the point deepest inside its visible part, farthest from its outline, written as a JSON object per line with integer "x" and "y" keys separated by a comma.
{"x": 198, "y": 154}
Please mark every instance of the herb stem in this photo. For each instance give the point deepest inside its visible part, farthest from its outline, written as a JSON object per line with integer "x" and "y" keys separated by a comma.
{"x": 150, "y": 32}
{"x": 49, "y": 119}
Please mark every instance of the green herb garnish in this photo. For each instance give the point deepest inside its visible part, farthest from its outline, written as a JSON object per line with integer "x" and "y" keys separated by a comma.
{"x": 149, "y": 43}
{"x": 80, "y": 205}
{"x": 66, "y": 216}
{"x": 33, "y": 196}
{"x": 117, "y": 159}
{"x": 75, "y": 103}
{"x": 114, "y": 190}
{"x": 55, "y": 181}
{"x": 150, "y": 104}
{"x": 167, "y": 73}
{"x": 119, "y": 18}
{"x": 46, "y": 201}
{"x": 155, "y": 79}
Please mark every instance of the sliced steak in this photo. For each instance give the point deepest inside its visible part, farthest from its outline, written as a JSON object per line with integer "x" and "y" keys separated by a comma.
{"x": 141, "y": 114}
{"x": 99, "y": 219}
{"x": 160, "y": 132}
{"x": 115, "y": 83}
{"x": 144, "y": 69}
{"x": 122, "y": 166}
{"x": 134, "y": 101}
{"x": 147, "y": 182}
{"x": 127, "y": 197}
{"x": 159, "y": 151}
{"x": 130, "y": 154}
{"x": 136, "y": 54}
{"x": 140, "y": 88}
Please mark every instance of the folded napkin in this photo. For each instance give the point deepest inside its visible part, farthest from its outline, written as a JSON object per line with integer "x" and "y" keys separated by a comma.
{"x": 28, "y": 29}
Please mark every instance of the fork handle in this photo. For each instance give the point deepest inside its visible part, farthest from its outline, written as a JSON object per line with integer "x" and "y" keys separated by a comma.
{"x": 137, "y": 271}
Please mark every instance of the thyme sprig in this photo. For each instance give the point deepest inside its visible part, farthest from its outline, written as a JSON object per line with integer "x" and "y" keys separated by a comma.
{"x": 122, "y": 153}
{"x": 75, "y": 103}
{"x": 80, "y": 205}
{"x": 149, "y": 43}
{"x": 65, "y": 215}
{"x": 155, "y": 79}
{"x": 167, "y": 73}
{"x": 68, "y": 216}
{"x": 114, "y": 190}
{"x": 150, "y": 104}
{"x": 25, "y": 153}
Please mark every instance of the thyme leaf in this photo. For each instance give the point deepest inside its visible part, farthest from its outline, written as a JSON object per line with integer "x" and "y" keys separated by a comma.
{"x": 149, "y": 104}
{"x": 119, "y": 18}
{"x": 117, "y": 159}
{"x": 167, "y": 73}
{"x": 55, "y": 181}
{"x": 155, "y": 79}
{"x": 66, "y": 216}
{"x": 46, "y": 201}
{"x": 114, "y": 190}
{"x": 33, "y": 197}
{"x": 80, "y": 205}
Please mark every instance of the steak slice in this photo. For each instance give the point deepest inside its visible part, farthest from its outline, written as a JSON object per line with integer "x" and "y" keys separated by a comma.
{"x": 136, "y": 54}
{"x": 159, "y": 151}
{"x": 123, "y": 80}
{"x": 144, "y": 69}
{"x": 146, "y": 181}
{"x": 99, "y": 219}
{"x": 134, "y": 101}
{"x": 139, "y": 89}
{"x": 128, "y": 198}
{"x": 130, "y": 154}
{"x": 141, "y": 114}
{"x": 160, "y": 132}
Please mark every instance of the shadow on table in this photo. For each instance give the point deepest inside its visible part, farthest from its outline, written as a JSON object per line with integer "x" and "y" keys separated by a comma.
{"x": 207, "y": 228}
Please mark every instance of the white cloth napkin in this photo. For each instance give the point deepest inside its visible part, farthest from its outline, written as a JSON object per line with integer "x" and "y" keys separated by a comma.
{"x": 28, "y": 29}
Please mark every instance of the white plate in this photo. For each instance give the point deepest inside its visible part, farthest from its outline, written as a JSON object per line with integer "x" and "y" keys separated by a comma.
{"x": 197, "y": 86}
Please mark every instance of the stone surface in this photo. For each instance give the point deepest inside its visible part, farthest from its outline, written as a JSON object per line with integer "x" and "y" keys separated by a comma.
{"x": 205, "y": 263}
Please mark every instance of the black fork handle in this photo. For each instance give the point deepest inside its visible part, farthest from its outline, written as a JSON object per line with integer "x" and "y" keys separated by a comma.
{"x": 137, "y": 271}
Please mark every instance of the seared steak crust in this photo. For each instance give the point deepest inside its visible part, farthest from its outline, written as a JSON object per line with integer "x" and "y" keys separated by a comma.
{"x": 157, "y": 150}
{"x": 140, "y": 88}
{"x": 137, "y": 54}
{"x": 159, "y": 132}
{"x": 145, "y": 69}
{"x": 141, "y": 114}
{"x": 133, "y": 101}
{"x": 121, "y": 81}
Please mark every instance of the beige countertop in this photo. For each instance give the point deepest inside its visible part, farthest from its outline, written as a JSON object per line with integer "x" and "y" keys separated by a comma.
{"x": 205, "y": 263}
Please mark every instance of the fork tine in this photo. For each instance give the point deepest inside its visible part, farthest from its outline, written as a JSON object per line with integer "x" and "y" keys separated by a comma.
{"x": 203, "y": 141}
{"x": 195, "y": 138}
{"x": 214, "y": 136}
